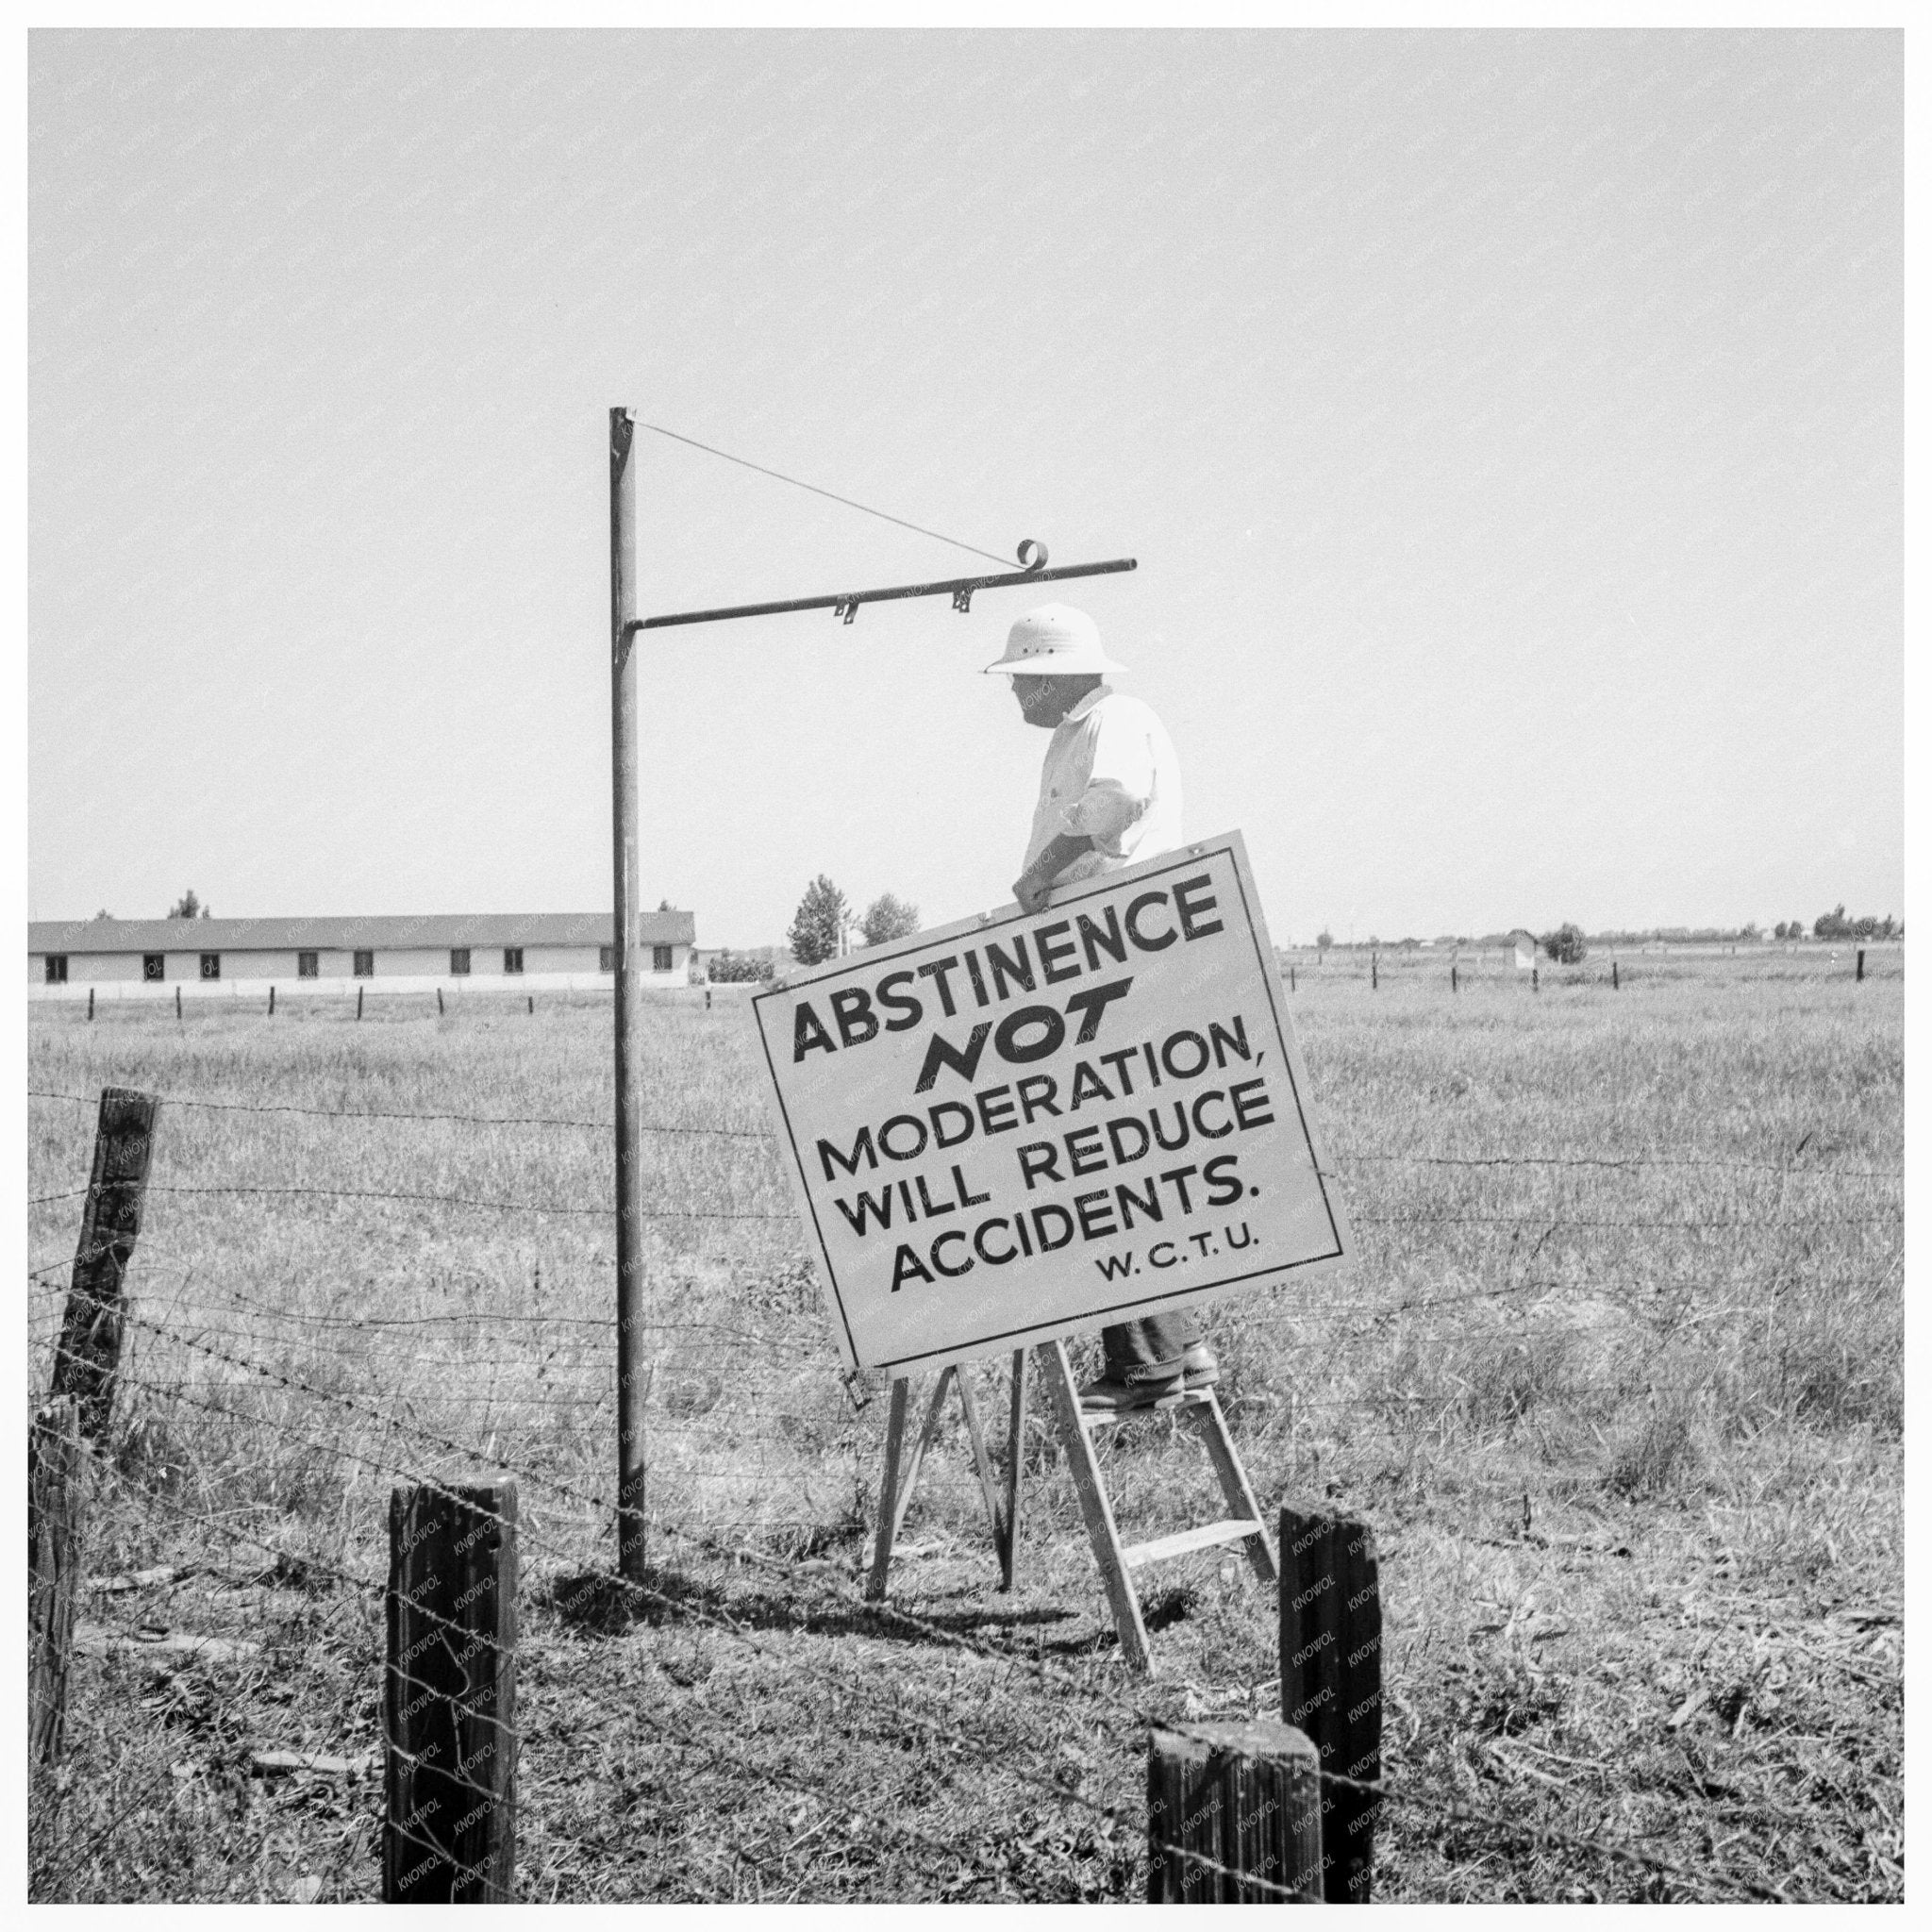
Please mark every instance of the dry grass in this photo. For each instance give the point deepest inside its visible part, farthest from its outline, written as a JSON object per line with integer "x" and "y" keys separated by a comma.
{"x": 1663, "y": 1326}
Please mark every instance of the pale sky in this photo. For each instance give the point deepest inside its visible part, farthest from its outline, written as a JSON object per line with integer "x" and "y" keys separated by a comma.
{"x": 1508, "y": 427}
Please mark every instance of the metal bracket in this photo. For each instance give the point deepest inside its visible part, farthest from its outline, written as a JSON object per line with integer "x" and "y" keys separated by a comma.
{"x": 860, "y": 1401}
{"x": 845, "y": 603}
{"x": 962, "y": 600}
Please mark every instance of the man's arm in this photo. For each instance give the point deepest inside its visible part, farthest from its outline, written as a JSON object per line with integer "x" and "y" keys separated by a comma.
{"x": 1033, "y": 885}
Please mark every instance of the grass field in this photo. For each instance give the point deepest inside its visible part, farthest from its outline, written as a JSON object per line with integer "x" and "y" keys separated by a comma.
{"x": 1617, "y": 1377}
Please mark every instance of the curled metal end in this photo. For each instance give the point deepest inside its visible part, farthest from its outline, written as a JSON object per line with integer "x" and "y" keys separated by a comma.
{"x": 1032, "y": 556}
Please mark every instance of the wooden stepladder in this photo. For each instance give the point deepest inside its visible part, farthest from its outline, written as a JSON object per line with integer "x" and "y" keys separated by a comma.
{"x": 1077, "y": 1427}
{"x": 895, "y": 1492}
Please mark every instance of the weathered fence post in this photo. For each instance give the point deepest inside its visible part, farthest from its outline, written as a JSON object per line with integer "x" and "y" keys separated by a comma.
{"x": 1534, "y": 978}
{"x": 1234, "y": 1815}
{"x": 1454, "y": 986}
{"x": 359, "y": 1003}
{"x": 1331, "y": 1679}
{"x": 55, "y": 1471}
{"x": 89, "y": 1347}
{"x": 438, "y": 1003}
{"x": 1291, "y": 979}
{"x": 1858, "y": 974}
{"x": 1613, "y": 976}
{"x": 89, "y": 1003}
{"x": 271, "y": 1002}
{"x": 449, "y": 1696}
{"x": 532, "y": 998}
{"x": 177, "y": 1003}
{"x": 1374, "y": 980}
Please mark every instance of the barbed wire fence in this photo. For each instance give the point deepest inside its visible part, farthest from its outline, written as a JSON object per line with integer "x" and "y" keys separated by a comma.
{"x": 276, "y": 1378}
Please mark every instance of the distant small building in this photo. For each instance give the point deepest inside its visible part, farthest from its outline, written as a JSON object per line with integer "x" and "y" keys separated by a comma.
{"x": 1524, "y": 943}
{"x": 500, "y": 952}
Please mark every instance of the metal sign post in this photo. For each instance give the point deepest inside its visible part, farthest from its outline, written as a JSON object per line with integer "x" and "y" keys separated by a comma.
{"x": 632, "y": 1385}
{"x": 633, "y": 1374}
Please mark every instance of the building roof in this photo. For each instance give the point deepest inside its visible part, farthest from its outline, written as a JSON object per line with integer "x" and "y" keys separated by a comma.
{"x": 383, "y": 934}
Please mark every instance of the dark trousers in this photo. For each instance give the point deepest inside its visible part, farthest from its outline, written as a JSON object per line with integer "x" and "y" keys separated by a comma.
{"x": 1150, "y": 1351}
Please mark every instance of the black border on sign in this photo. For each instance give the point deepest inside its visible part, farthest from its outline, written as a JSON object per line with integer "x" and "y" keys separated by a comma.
{"x": 876, "y": 956}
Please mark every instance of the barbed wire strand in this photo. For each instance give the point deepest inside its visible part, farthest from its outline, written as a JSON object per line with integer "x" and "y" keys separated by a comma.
{"x": 688, "y": 1608}
{"x": 707, "y": 1130}
{"x": 685, "y": 1608}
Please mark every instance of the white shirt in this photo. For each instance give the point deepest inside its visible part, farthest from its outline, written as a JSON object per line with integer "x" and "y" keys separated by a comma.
{"x": 1111, "y": 774}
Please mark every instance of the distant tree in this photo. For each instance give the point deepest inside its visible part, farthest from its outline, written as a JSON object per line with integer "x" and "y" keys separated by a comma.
{"x": 888, "y": 918}
{"x": 818, "y": 923}
{"x": 1323, "y": 940}
{"x": 1835, "y": 926}
{"x": 189, "y": 907}
{"x": 104, "y": 914}
{"x": 731, "y": 968}
{"x": 1565, "y": 945}
{"x": 664, "y": 906}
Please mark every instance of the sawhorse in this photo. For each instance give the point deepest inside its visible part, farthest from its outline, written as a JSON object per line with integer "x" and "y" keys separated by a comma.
{"x": 1117, "y": 1562}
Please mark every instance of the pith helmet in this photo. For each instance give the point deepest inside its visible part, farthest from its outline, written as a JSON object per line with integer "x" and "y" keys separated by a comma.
{"x": 1056, "y": 641}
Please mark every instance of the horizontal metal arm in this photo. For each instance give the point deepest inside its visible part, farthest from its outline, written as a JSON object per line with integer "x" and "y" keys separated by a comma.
{"x": 847, "y": 602}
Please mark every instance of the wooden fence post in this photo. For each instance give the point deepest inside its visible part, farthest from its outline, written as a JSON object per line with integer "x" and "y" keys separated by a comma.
{"x": 177, "y": 1001}
{"x": 1861, "y": 973}
{"x": 1234, "y": 1815}
{"x": 438, "y": 1003}
{"x": 89, "y": 1003}
{"x": 1331, "y": 1679}
{"x": 449, "y": 1696}
{"x": 532, "y": 998}
{"x": 1374, "y": 980}
{"x": 1291, "y": 979}
{"x": 89, "y": 1349}
{"x": 271, "y": 1002}
{"x": 1533, "y": 983}
{"x": 1613, "y": 976}
{"x": 359, "y": 1003}
{"x": 55, "y": 1469}
{"x": 1454, "y": 986}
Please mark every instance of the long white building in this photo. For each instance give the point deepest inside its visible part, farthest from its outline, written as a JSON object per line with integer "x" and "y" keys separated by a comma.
{"x": 499, "y": 952}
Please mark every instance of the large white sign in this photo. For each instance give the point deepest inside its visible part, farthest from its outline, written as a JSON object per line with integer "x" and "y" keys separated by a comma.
{"x": 1025, "y": 1124}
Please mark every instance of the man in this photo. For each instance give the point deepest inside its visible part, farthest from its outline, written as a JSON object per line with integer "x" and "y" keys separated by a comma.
{"x": 1109, "y": 796}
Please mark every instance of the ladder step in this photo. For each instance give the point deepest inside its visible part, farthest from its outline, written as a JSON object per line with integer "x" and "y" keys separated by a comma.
{"x": 1230, "y": 1529}
{"x": 1188, "y": 1398}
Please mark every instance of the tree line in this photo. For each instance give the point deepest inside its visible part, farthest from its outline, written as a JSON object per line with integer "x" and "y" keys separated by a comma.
{"x": 1835, "y": 926}
{"x": 825, "y": 922}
